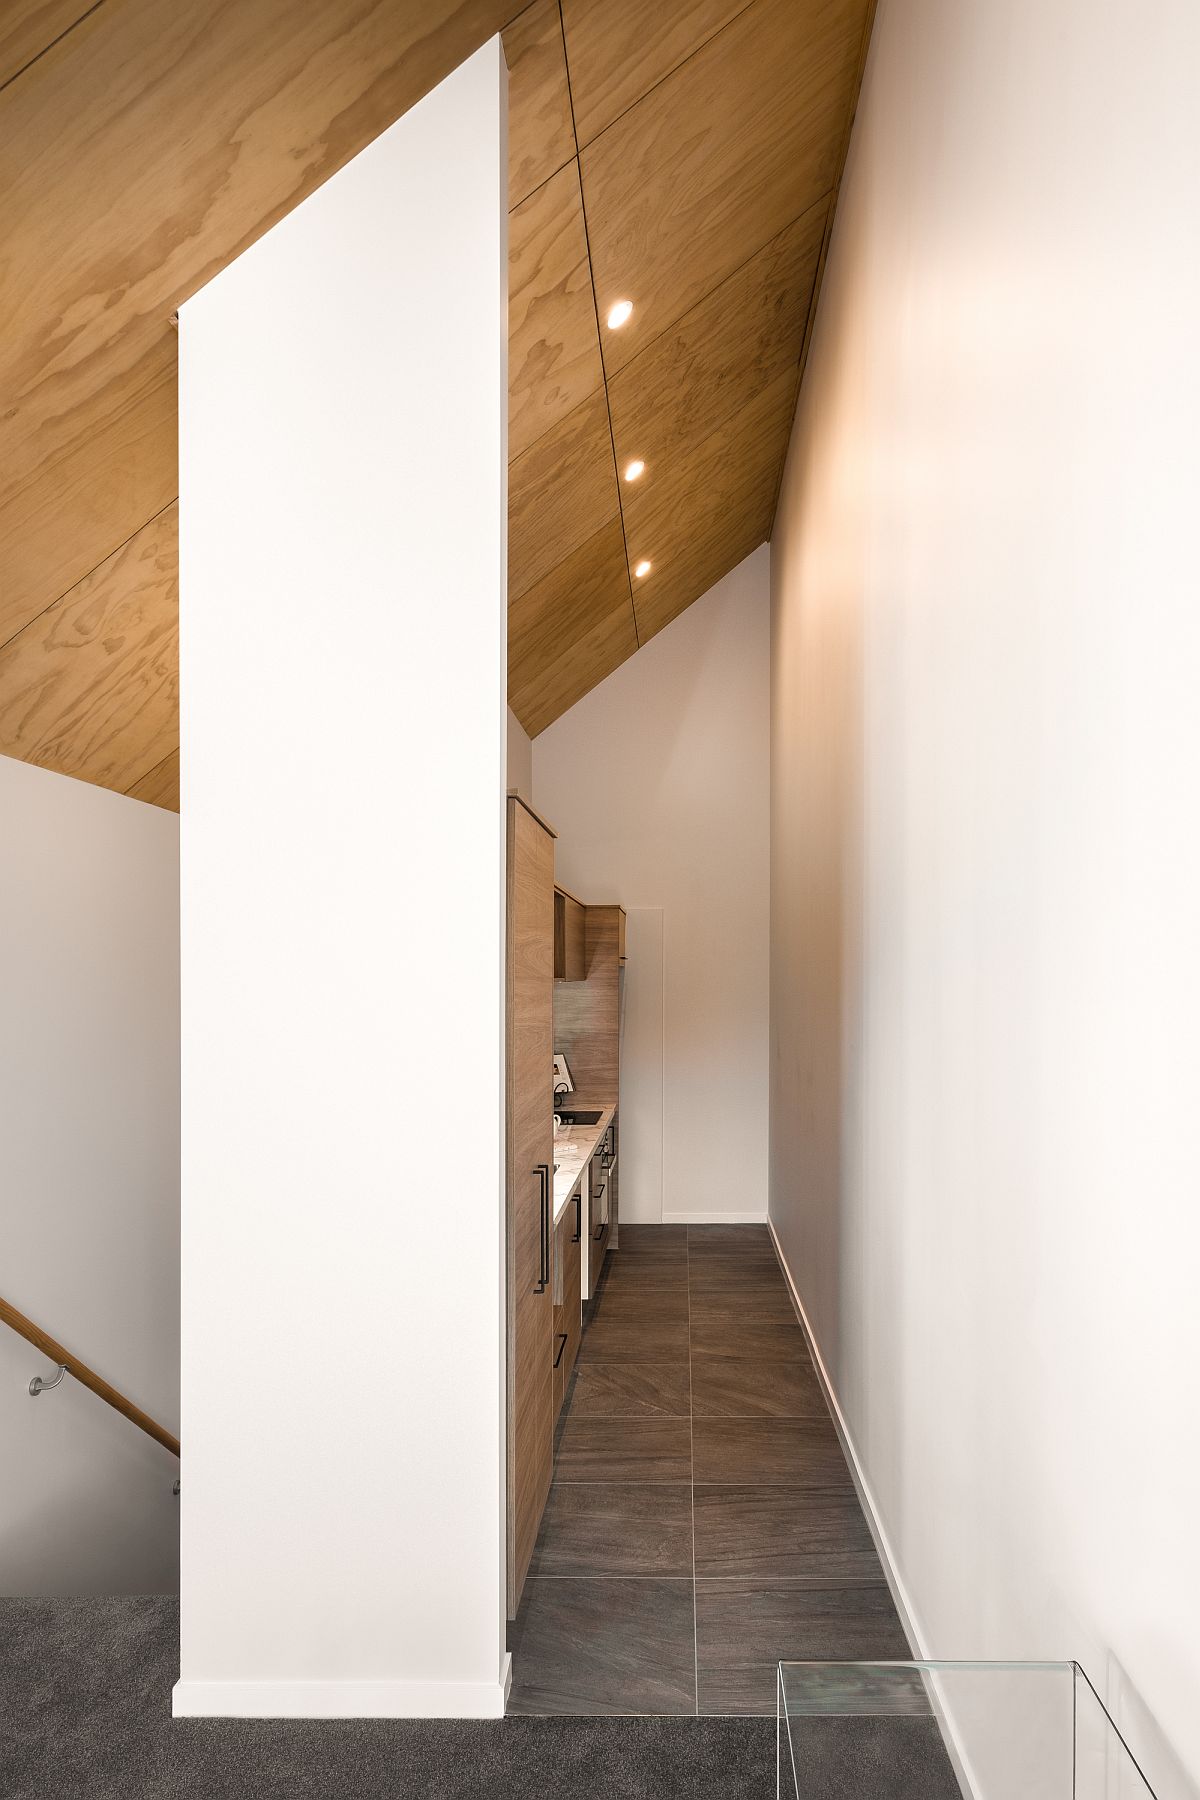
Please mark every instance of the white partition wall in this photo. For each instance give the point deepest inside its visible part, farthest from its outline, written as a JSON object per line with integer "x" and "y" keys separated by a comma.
{"x": 985, "y": 995}
{"x": 342, "y": 468}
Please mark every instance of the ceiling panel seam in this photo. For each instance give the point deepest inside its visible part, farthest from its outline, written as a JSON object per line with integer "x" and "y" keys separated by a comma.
{"x": 596, "y": 309}
{"x": 59, "y": 598}
{"x": 701, "y": 300}
{"x": 654, "y": 85}
{"x": 46, "y": 48}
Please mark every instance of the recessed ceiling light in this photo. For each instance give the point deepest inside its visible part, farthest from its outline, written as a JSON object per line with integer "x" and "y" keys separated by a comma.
{"x": 618, "y": 314}
{"x": 643, "y": 568}
{"x": 634, "y": 469}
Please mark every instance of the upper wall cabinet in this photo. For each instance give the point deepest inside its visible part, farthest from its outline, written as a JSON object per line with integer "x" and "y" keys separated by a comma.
{"x": 570, "y": 938}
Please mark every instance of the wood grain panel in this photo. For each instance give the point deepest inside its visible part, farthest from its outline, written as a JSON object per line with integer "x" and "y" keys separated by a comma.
{"x": 541, "y": 139}
{"x": 152, "y": 143}
{"x": 27, "y": 27}
{"x": 691, "y": 546}
{"x": 529, "y": 1142}
{"x": 694, "y": 180}
{"x": 584, "y": 661}
{"x": 160, "y": 785}
{"x": 620, "y": 49}
{"x": 568, "y": 1309}
{"x": 586, "y": 1030}
{"x": 155, "y": 141}
{"x": 575, "y": 595}
{"x": 570, "y": 630}
{"x": 69, "y": 496}
{"x": 560, "y": 492}
{"x": 725, "y": 467}
{"x": 735, "y": 342}
{"x": 553, "y": 351}
{"x": 90, "y": 688}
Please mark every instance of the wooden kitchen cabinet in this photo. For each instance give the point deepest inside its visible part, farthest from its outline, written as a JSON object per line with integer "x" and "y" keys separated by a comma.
{"x": 570, "y": 938}
{"x": 529, "y": 1183}
{"x": 614, "y": 1183}
{"x": 598, "y": 1217}
{"x": 568, "y": 1297}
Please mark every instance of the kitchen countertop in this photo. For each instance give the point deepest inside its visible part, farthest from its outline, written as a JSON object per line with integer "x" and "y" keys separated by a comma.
{"x": 575, "y": 1146}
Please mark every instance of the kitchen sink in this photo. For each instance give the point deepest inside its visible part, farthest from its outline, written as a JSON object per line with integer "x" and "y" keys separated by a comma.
{"x": 578, "y": 1118}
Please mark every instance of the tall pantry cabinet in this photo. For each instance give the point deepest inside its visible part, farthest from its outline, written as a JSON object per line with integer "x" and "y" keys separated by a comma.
{"x": 530, "y": 1182}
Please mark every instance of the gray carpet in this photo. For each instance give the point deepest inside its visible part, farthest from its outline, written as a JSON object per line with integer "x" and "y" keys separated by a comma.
{"x": 85, "y": 1703}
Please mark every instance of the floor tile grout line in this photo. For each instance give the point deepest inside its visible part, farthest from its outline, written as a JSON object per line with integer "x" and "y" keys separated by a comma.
{"x": 792, "y": 1483}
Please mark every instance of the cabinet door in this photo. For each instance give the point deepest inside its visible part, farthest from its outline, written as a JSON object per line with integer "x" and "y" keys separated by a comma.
{"x": 598, "y": 1219}
{"x": 570, "y": 938}
{"x": 530, "y": 1080}
{"x": 573, "y": 1285}
{"x": 568, "y": 1298}
{"x": 560, "y": 1312}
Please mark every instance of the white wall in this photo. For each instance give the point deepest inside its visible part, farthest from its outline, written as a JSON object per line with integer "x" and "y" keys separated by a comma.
{"x": 656, "y": 783}
{"x": 986, "y": 886}
{"x": 342, "y": 450}
{"x": 89, "y": 1221}
{"x": 520, "y": 758}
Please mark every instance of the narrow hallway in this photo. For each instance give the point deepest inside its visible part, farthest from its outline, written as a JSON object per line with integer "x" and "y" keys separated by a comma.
{"x": 703, "y": 1522}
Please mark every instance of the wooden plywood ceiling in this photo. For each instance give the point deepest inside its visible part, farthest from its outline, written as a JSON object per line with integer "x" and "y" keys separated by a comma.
{"x": 685, "y": 157}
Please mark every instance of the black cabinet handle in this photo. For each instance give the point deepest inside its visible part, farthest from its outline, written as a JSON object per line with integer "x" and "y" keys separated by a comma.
{"x": 600, "y": 1230}
{"x": 578, "y": 1218}
{"x": 543, "y": 1174}
{"x": 562, "y": 1344}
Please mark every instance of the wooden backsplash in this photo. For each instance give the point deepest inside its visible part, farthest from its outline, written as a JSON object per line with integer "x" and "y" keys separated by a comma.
{"x": 586, "y": 1012}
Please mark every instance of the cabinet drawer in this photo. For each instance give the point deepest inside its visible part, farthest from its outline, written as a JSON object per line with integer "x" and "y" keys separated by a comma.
{"x": 568, "y": 1298}
{"x": 598, "y": 1220}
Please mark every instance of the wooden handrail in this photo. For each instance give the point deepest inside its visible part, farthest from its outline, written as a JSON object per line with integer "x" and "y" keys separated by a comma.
{"x": 41, "y": 1340}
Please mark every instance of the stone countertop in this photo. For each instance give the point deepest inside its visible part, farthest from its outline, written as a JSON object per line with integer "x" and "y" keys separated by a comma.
{"x": 575, "y": 1146}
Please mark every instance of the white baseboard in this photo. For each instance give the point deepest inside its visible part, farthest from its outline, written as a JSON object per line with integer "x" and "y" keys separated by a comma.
{"x": 713, "y": 1218}
{"x": 343, "y": 1699}
{"x": 899, "y": 1592}
{"x": 904, "y": 1606}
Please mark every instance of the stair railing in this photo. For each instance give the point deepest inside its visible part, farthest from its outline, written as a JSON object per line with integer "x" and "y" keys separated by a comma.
{"x": 71, "y": 1364}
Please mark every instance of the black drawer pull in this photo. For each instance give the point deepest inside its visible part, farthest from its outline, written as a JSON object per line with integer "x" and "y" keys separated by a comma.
{"x": 562, "y": 1344}
{"x": 578, "y": 1218}
{"x": 598, "y": 1192}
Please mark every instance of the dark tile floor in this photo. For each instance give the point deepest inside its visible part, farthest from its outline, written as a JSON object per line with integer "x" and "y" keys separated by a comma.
{"x": 703, "y": 1522}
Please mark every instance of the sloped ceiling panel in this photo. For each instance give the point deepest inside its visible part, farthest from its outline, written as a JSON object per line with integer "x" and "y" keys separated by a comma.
{"x": 139, "y": 153}
{"x": 684, "y": 156}
{"x": 710, "y": 138}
